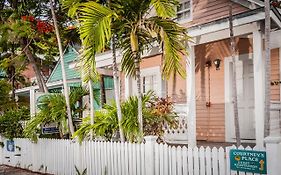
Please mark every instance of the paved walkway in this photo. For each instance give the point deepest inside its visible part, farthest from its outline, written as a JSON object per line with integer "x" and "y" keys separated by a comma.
{"x": 6, "y": 170}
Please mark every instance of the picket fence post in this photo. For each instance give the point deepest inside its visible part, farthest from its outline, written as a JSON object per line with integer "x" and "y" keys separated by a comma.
{"x": 150, "y": 154}
{"x": 273, "y": 152}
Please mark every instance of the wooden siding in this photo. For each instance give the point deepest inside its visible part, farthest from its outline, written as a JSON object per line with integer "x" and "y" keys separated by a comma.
{"x": 275, "y": 75}
{"x": 205, "y": 11}
{"x": 180, "y": 96}
{"x": 152, "y": 61}
{"x": 211, "y": 120}
{"x": 69, "y": 57}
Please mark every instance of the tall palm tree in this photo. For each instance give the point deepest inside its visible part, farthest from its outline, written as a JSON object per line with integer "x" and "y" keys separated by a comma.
{"x": 88, "y": 58}
{"x": 116, "y": 87}
{"x": 136, "y": 29}
{"x": 267, "y": 68}
{"x": 234, "y": 88}
{"x": 140, "y": 29}
{"x": 65, "y": 87}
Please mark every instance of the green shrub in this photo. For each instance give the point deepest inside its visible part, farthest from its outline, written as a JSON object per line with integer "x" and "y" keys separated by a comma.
{"x": 12, "y": 121}
{"x": 156, "y": 113}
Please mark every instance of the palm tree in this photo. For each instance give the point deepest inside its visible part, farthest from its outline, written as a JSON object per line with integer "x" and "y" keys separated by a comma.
{"x": 267, "y": 68}
{"x": 89, "y": 62}
{"x": 65, "y": 87}
{"x": 234, "y": 88}
{"x": 136, "y": 30}
{"x": 116, "y": 87}
{"x": 140, "y": 30}
{"x": 52, "y": 109}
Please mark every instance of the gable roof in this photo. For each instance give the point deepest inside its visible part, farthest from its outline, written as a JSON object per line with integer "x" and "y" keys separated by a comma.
{"x": 70, "y": 55}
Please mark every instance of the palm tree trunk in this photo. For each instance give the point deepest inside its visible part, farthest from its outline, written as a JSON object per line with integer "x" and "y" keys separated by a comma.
{"x": 235, "y": 106}
{"x": 92, "y": 108}
{"x": 138, "y": 78}
{"x": 267, "y": 69}
{"x": 116, "y": 89}
{"x": 40, "y": 81}
{"x": 65, "y": 88}
{"x": 174, "y": 93}
{"x": 102, "y": 90}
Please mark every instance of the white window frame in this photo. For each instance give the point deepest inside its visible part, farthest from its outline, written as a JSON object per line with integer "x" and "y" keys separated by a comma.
{"x": 188, "y": 19}
{"x": 130, "y": 82}
{"x": 152, "y": 71}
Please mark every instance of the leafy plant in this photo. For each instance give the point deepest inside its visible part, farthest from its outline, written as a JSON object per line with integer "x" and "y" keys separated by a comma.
{"x": 6, "y": 101}
{"x": 11, "y": 122}
{"x": 156, "y": 111}
{"x": 162, "y": 113}
{"x": 53, "y": 110}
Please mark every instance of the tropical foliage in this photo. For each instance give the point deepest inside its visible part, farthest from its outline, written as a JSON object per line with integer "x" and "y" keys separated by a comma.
{"x": 156, "y": 111}
{"x": 137, "y": 28}
{"x": 27, "y": 34}
{"x": 52, "y": 109}
{"x": 5, "y": 89}
{"x": 12, "y": 122}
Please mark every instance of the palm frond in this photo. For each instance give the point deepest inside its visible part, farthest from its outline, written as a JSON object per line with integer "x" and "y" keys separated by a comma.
{"x": 127, "y": 63}
{"x": 95, "y": 30}
{"x": 88, "y": 65}
{"x": 165, "y": 8}
{"x": 172, "y": 37}
{"x": 95, "y": 33}
{"x": 72, "y": 6}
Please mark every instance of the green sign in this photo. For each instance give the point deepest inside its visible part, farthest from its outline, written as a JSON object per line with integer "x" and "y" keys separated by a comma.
{"x": 248, "y": 161}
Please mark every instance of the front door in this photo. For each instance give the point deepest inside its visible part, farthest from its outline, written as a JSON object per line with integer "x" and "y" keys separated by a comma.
{"x": 245, "y": 95}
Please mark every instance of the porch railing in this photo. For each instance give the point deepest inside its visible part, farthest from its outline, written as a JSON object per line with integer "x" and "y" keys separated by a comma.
{"x": 178, "y": 135}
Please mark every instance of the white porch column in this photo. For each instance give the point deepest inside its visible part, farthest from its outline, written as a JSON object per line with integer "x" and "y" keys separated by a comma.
{"x": 191, "y": 113}
{"x": 32, "y": 101}
{"x": 259, "y": 87}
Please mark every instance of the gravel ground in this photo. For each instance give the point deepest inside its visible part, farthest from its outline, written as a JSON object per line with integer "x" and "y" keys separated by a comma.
{"x": 7, "y": 170}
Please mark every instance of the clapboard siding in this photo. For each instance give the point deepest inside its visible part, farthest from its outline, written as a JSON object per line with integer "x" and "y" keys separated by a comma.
{"x": 211, "y": 120}
{"x": 275, "y": 75}
{"x": 69, "y": 56}
{"x": 205, "y": 11}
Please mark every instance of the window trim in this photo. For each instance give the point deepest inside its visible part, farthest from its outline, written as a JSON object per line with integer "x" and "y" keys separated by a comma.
{"x": 190, "y": 18}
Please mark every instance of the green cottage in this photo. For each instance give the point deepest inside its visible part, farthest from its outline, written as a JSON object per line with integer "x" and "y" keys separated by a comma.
{"x": 103, "y": 90}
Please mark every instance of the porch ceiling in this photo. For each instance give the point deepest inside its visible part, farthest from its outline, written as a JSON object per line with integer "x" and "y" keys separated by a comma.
{"x": 244, "y": 23}
{"x": 253, "y": 4}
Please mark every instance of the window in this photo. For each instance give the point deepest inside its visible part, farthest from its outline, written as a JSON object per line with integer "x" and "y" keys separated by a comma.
{"x": 184, "y": 10}
{"x": 149, "y": 83}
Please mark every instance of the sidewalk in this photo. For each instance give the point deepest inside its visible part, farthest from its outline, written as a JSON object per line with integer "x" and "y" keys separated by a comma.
{"x": 7, "y": 170}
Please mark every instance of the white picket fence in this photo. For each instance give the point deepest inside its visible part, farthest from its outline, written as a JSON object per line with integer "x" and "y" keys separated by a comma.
{"x": 114, "y": 158}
